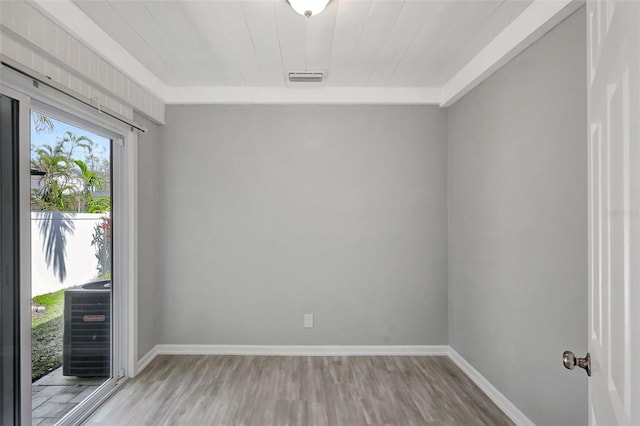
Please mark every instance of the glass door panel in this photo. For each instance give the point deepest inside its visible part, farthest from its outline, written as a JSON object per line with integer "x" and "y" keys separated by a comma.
{"x": 71, "y": 265}
{"x": 9, "y": 263}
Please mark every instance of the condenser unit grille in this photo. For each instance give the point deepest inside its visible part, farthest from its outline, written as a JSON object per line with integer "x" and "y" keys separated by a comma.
{"x": 87, "y": 333}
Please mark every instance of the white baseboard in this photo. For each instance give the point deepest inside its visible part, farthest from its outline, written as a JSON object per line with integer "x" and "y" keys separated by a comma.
{"x": 302, "y": 350}
{"x": 287, "y": 350}
{"x": 146, "y": 360}
{"x": 490, "y": 390}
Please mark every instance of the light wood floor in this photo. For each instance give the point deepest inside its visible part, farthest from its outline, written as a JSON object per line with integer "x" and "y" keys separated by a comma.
{"x": 275, "y": 390}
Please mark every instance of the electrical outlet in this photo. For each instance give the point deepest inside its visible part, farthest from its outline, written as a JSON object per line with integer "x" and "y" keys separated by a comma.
{"x": 308, "y": 320}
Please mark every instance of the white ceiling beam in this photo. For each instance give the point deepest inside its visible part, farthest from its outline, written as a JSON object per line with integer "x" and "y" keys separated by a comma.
{"x": 536, "y": 20}
{"x": 77, "y": 23}
{"x": 295, "y": 95}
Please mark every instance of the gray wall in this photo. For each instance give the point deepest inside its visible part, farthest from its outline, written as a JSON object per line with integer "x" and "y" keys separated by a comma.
{"x": 518, "y": 226}
{"x": 270, "y": 212}
{"x": 149, "y": 232}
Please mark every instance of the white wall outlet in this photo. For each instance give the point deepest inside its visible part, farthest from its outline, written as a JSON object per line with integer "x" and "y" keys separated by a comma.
{"x": 308, "y": 320}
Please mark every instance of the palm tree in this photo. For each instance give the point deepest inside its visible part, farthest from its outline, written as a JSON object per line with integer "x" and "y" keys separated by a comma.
{"x": 76, "y": 142}
{"x": 55, "y": 191}
{"x": 64, "y": 188}
{"x": 90, "y": 182}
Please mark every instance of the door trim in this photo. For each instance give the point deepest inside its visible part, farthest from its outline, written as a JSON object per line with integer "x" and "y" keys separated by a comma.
{"x": 24, "y": 111}
{"x": 124, "y": 181}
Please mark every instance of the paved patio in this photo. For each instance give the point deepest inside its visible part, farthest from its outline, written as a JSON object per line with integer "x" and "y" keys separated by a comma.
{"x": 55, "y": 395}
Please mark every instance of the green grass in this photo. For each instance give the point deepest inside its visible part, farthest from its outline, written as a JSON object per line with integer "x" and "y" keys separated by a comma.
{"x": 46, "y": 347}
{"x": 46, "y": 334}
{"x": 54, "y": 304}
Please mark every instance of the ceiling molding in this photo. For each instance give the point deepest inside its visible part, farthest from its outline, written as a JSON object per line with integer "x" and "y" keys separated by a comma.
{"x": 313, "y": 95}
{"x": 76, "y": 22}
{"x": 536, "y": 20}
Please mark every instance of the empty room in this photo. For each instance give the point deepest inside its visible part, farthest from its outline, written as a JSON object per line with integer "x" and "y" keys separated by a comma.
{"x": 320, "y": 212}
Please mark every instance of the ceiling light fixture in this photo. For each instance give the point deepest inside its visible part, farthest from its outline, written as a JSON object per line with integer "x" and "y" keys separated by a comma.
{"x": 308, "y": 8}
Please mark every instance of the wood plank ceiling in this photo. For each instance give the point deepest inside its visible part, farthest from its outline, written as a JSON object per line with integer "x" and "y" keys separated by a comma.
{"x": 358, "y": 43}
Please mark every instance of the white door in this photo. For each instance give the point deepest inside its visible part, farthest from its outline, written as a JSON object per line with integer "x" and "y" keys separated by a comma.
{"x": 614, "y": 211}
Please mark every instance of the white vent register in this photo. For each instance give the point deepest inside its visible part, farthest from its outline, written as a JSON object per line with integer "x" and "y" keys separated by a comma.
{"x": 306, "y": 77}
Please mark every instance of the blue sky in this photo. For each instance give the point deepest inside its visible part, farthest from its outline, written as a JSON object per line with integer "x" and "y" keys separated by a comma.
{"x": 60, "y": 128}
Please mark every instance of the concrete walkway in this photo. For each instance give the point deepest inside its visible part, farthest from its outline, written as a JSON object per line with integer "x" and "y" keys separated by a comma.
{"x": 55, "y": 395}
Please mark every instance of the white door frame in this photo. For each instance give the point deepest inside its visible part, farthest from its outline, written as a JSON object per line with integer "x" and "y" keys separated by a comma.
{"x": 125, "y": 242}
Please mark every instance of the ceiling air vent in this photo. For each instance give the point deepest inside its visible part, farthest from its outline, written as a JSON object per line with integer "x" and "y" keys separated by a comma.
{"x": 306, "y": 77}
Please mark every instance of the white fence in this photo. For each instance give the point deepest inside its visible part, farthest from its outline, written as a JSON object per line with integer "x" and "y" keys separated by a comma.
{"x": 61, "y": 252}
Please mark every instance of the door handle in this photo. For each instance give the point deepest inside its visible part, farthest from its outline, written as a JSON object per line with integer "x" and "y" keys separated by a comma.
{"x": 570, "y": 361}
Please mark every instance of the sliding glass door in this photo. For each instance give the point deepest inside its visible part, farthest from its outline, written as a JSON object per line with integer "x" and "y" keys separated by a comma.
{"x": 14, "y": 389}
{"x": 65, "y": 258}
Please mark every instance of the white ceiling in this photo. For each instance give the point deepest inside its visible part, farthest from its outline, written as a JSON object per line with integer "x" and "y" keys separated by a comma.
{"x": 380, "y": 43}
{"x": 397, "y": 51}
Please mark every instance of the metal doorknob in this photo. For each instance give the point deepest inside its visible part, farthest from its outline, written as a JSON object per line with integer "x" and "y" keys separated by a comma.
{"x": 570, "y": 361}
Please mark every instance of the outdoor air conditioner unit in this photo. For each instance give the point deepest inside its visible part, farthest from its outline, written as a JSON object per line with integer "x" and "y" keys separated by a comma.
{"x": 86, "y": 348}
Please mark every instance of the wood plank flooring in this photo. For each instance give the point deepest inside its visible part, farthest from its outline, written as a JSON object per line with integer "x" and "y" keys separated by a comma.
{"x": 301, "y": 391}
